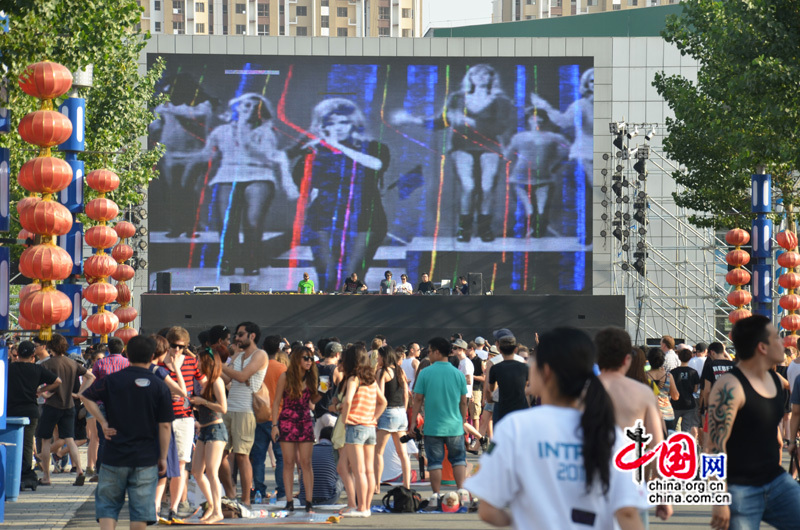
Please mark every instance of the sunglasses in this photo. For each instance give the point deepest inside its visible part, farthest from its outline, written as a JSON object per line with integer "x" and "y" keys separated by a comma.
{"x": 307, "y": 358}
{"x": 174, "y": 346}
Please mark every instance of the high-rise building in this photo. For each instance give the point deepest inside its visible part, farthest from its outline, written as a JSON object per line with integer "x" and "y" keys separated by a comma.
{"x": 512, "y": 10}
{"x": 320, "y": 18}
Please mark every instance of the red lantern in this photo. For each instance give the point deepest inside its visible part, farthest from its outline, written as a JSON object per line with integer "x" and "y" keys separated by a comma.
{"x": 46, "y": 218}
{"x": 737, "y": 258}
{"x": 45, "y": 80}
{"x": 739, "y": 297}
{"x": 790, "y": 280}
{"x": 99, "y": 266}
{"x": 738, "y": 277}
{"x": 791, "y": 322}
{"x": 123, "y": 273}
{"x": 24, "y": 323}
{"x": 45, "y": 262}
{"x": 123, "y": 293}
{"x": 739, "y": 314}
{"x": 787, "y": 239}
{"x": 82, "y": 338}
{"x": 102, "y": 180}
{"x": 125, "y": 334}
{"x": 45, "y": 128}
{"x": 46, "y": 308}
{"x": 28, "y": 290}
{"x": 84, "y": 313}
{"x": 789, "y": 259}
{"x": 126, "y": 314}
{"x": 100, "y": 293}
{"x": 100, "y": 237}
{"x": 737, "y": 237}
{"x": 790, "y": 302}
{"x": 45, "y": 174}
{"x": 27, "y": 202}
{"x": 125, "y": 229}
{"x": 102, "y": 323}
{"x": 122, "y": 252}
{"x": 102, "y": 209}
{"x": 790, "y": 340}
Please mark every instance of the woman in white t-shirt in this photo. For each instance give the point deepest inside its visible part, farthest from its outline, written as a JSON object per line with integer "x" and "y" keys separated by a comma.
{"x": 552, "y": 465}
{"x": 404, "y": 287}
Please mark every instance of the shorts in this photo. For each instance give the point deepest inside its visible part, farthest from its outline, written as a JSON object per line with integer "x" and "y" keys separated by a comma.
{"x": 359, "y": 435}
{"x": 689, "y": 418}
{"x": 50, "y": 417}
{"x": 241, "y": 427}
{"x": 456, "y": 451}
{"x": 173, "y": 465}
{"x": 489, "y": 407}
{"x": 393, "y": 419}
{"x": 183, "y": 428}
{"x": 474, "y": 406}
{"x": 216, "y": 432}
{"x": 139, "y": 482}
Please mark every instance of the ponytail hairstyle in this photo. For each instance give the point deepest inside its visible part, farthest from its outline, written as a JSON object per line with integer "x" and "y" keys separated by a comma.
{"x": 571, "y": 355}
{"x": 355, "y": 362}
{"x": 211, "y": 367}
{"x": 391, "y": 359}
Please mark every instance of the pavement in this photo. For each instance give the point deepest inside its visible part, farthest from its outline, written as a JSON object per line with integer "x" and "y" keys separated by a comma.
{"x": 63, "y": 505}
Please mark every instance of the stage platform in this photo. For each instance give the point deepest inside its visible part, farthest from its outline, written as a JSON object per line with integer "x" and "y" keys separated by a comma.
{"x": 402, "y": 319}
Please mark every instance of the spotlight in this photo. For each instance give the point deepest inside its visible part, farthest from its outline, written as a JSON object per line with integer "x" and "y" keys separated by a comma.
{"x": 634, "y": 133}
{"x": 649, "y": 136}
{"x": 616, "y": 127}
{"x": 141, "y": 212}
{"x": 142, "y": 244}
{"x": 604, "y": 171}
{"x": 641, "y": 195}
{"x": 604, "y": 203}
{"x": 142, "y": 231}
{"x": 643, "y": 152}
{"x": 604, "y": 189}
{"x": 142, "y": 263}
{"x": 617, "y": 188}
{"x": 627, "y": 217}
{"x": 617, "y": 215}
{"x": 626, "y": 199}
{"x": 604, "y": 217}
{"x": 641, "y": 168}
{"x": 603, "y": 233}
{"x": 626, "y": 233}
{"x": 626, "y": 247}
{"x": 642, "y": 231}
{"x": 617, "y": 233}
{"x": 639, "y": 266}
{"x": 618, "y": 140}
{"x": 640, "y": 245}
{"x": 620, "y": 168}
{"x": 605, "y": 156}
{"x": 625, "y": 266}
{"x": 639, "y": 217}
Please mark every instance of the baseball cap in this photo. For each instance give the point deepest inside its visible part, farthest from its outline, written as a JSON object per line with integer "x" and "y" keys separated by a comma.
{"x": 507, "y": 340}
{"x": 333, "y": 347}
{"x": 460, "y": 344}
{"x": 25, "y": 349}
{"x": 500, "y": 333}
{"x": 480, "y": 340}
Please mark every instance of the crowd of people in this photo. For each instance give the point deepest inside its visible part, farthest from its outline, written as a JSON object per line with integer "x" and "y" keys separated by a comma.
{"x": 547, "y": 419}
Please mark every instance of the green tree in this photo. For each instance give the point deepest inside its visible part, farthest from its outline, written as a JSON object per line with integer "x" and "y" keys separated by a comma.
{"x": 742, "y": 115}
{"x": 77, "y": 33}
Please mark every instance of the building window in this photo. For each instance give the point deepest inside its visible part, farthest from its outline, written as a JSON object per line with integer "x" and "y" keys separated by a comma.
{"x": 616, "y": 7}
{"x": 211, "y": 8}
{"x": 530, "y": 2}
{"x": 383, "y": 13}
{"x": 263, "y": 29}
{"x": 324, "y": 3}
{"x": 591, "y": 2}
{"x": 241, "y": 9}
{"x": 406, "y": 13}
{"x": 281, "y": 9}
{"x": 633, "y": 2}
{"x": 224, "y": 10}
{"x": 177, "y": 28}
{"x": 324, "y": 21}
{"x": 406, "y": 33}
{"x": 556, "y": 3}
{"x": 263, "y": 10}
{"x": 177, "y": 7}
{"x": 157, "y": 5}
{"x": 241, "y": 29}
{"x": 199, "y": 28}
{"x": 211, "y": 29}
{"x": 157, "y": 27}
{"x": 301, "y": 31}
{"x": 383, "y": 32}
{"x": 302, "y": 11}
{"x": 138, "y": 27}
{"x": 200, "y": 7}
{"x": 341, "y": 32}
{"x": 282, "y": 30}
{"x": 341, "y": 12}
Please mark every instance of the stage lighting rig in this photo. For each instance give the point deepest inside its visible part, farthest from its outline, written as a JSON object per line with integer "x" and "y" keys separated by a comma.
{"x": 616, "y": 127}
{"x": 639, "y": 217}
{"x": 618, "y": 141}
{"x": 649, "y": 136}
{"x": 634, "y": 133}
{"x": 141, "y": 231}
{"x": 142, "y": 244}
{"x": 640, "y": 267}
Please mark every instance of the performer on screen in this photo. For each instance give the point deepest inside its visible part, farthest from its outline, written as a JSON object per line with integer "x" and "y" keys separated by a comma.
{"x": 538, "y": 157}
{"x": 342, "y": 168}
{"x": 250, "y": 170}
{"x": 481, "y": 119}
{"x": 579, "y": 117}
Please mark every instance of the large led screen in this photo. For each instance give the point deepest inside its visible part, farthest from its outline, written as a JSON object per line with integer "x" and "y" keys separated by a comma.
{"x": 277, "y": 166}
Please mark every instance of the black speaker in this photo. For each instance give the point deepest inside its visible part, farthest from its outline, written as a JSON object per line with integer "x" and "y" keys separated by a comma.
{"x": 475, "y": 280}
{"x": 240, "y": 288}
{"x": 164, "y": 282}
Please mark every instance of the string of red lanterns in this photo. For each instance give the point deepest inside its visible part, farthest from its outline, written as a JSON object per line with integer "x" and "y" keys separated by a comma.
{"x": 122, "y": 253}
{"x": 789, "y": 281}
{"x": 738, "y": 276}
{"x": 41, "y": 305}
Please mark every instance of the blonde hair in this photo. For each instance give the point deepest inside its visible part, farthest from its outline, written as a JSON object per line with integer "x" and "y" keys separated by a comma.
{"x": 468, "y": 87}
{"x": 343, "y": 107}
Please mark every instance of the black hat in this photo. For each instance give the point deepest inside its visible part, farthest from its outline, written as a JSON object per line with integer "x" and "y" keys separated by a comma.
{"x": 25, "y": 349}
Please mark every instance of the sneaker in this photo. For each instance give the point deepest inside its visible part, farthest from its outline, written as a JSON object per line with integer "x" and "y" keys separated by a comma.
{"x": 184, "y": 508}
{"x": 95, "y": 478}
{"x": 171, "y": 515}
{"x": 484, "y": 444}
{"x": 433, "y": 500}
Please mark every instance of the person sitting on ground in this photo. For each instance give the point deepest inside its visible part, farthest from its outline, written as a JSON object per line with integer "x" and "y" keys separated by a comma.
{"x": 327, "y": 484}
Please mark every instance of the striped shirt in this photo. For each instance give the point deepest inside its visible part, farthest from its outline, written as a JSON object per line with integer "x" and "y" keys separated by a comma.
{"x": 362, "y": 409}
{"x": 240, "y": 397}
{"x": 325, "y": 474}
{"x": 109, "y": 365}
{"x": 189, "y": 371}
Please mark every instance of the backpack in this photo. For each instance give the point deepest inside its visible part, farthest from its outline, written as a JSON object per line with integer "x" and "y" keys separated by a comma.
{"x": 402, "y": 500}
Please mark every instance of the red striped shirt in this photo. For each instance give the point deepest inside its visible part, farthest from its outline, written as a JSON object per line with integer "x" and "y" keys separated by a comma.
{"x": 189, "y": 372}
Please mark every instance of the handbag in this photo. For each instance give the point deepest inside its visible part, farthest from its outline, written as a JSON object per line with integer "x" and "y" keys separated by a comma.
{"x": 337, "y": 438}
{"x": 262, "y": 404}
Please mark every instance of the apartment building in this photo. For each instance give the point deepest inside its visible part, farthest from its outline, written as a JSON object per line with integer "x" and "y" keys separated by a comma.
{"x": 320, "y": 18}
{"x": 512, "y": 10}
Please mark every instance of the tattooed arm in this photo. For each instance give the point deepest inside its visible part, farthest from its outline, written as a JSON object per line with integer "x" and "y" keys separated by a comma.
{"x": 725, "y": 399}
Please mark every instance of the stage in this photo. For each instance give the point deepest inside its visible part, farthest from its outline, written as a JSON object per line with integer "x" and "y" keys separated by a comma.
{"x": 402, "y": 319}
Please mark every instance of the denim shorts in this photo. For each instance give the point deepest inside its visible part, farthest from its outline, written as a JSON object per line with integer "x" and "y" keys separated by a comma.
{"x": 139, "y": 482}
{"x": 456, "y": 451}
{"x": 393, "y": 419}
{"x": 216, "y": 432}
{"x": 489, "y": 407}
{"x": 359, "y": 435}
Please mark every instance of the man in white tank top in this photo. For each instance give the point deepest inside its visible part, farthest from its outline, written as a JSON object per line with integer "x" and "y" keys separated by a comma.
{"x": 245, "y": 373}
{"x": 410, "y": 364}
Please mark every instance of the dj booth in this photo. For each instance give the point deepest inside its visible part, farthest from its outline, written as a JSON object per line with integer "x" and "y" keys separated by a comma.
{"x": 402, "y": 319}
